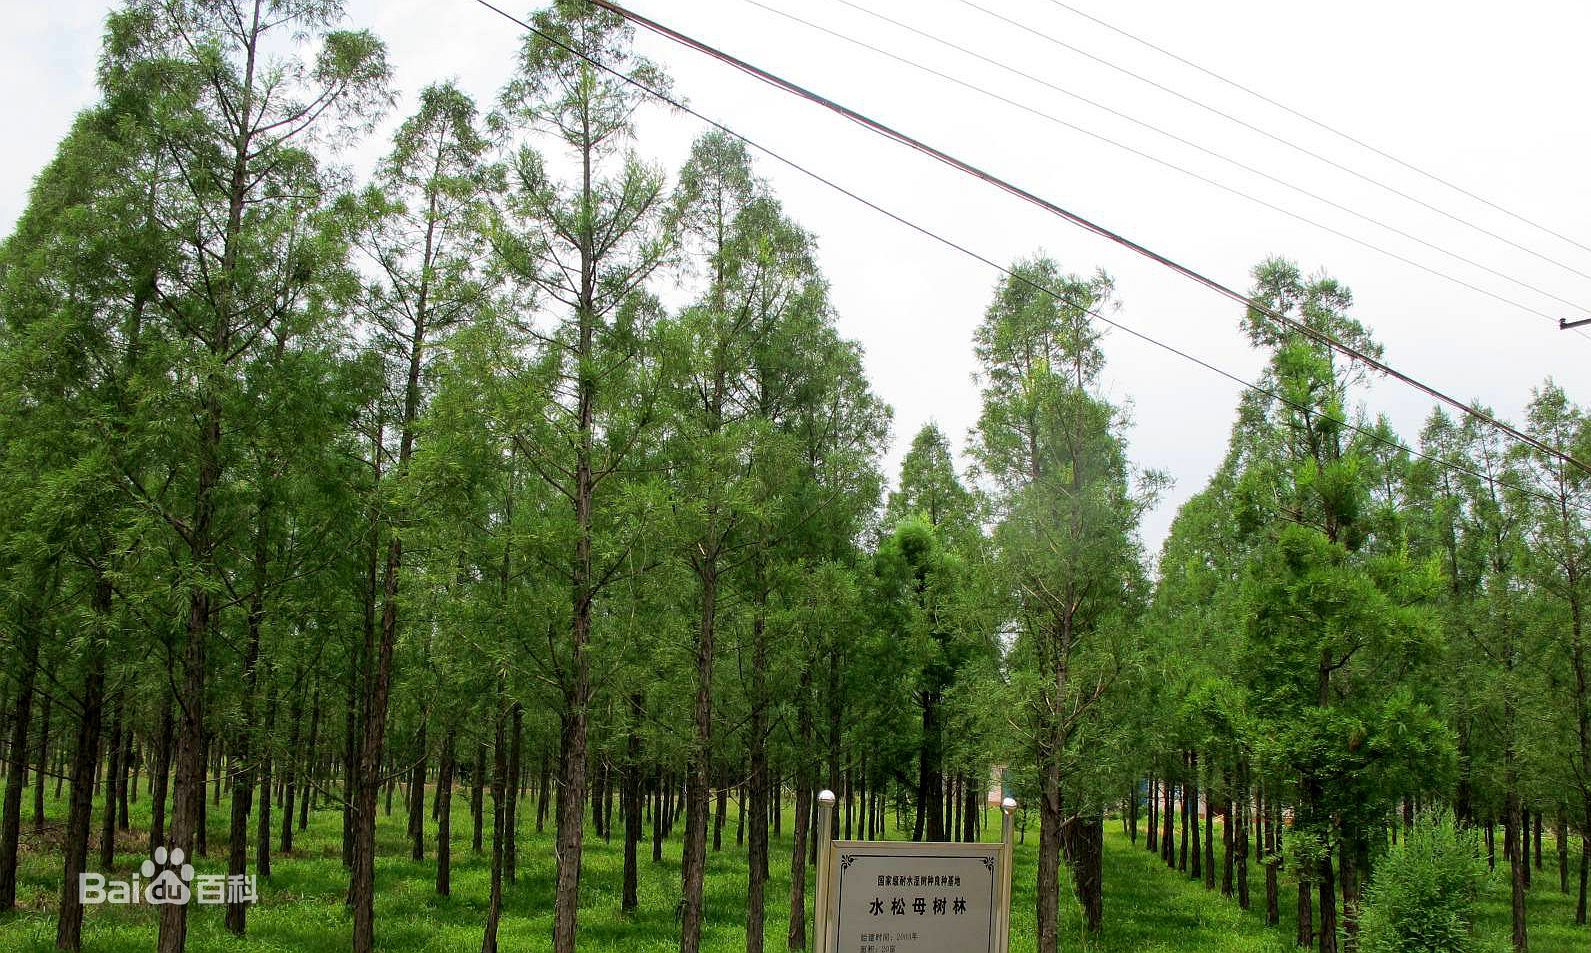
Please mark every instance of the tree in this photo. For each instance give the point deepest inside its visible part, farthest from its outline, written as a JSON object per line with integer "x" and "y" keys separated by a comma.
{"x": 1555, "y": 560}
{"x": 588, "y": 246}
{"x": 1066, "y": 540}
{"x": 416, "y": 229}
{"x": 1337, "y": 627}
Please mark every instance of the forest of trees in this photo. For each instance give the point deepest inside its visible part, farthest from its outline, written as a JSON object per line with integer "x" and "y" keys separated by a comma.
{"x": 320, "y": 483}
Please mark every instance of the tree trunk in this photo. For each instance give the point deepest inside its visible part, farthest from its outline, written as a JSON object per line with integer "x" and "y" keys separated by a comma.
{"x": 160, "y": 776}
{"x": 17, "y": 767}
{"x": 417, "y": 799}
{"x": 699, "y": 781}
{"x": 1209, "y": 845}
{"x": 1227, "y": 837}
{"x": 720, "y": 815}
{"x": 69, "y": 923}
{"x": 754, "y": 798}
{"x": 1305, "y": 937}
{"x": 444, "y": 817}
{"x": 1272, "y": 863}
{"x": 1514, "y": 845}
{"x": 1048, "y": 888}
{"x": 494, "y": 906}
{"x": 1241, "y": 847}
{"x": 1187, "y": 810}
{"x": 1328, "y": 907}
{"x": 1191, "y": 794}
{"x": 44, "y": 754}
{"x": 511, "y": 807}
{"x": 311, "y": 764}
{"x": 797, "y": 937}
{"x": 1152, "y": 832}
{"x": 107, "y": 832}
{"x": 632, "y": 805}
{"x": 477, "y": 781}
{"x": 123, "y": 820}
{"x": 543, "y": 793}
{"x": 262, "y": 838}
{"x": 1168, "y": 813}
{"x": 295, "y": 715}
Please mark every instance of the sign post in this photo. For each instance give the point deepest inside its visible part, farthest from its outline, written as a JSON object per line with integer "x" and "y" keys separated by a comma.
{"x": 906, "y": 897}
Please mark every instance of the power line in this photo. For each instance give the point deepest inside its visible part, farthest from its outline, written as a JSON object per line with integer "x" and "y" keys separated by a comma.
{"x": 1259, "y": 131}
{"x": 680, "y": 106}
{"x": 1086, "y": 224}
{"x": 1320, "y": 124}
{"x": 1050, "y": 117}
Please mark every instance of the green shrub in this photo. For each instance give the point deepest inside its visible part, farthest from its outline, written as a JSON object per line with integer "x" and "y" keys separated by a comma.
{"x": 1423, "y": 893}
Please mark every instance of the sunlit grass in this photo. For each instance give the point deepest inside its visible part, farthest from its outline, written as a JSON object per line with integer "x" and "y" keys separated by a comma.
{"x": 1147, "y": 907}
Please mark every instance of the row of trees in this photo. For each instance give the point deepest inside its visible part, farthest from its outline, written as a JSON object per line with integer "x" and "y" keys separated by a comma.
{"x": 318, "y": 485}
{"x": 1357, "y": 626}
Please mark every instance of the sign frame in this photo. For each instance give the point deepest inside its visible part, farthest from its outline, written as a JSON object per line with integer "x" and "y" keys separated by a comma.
{"x": 826, "y": 906}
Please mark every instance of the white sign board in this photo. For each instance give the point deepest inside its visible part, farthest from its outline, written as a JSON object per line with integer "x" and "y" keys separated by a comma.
{"x": 904, "y": 897}
{"x": 916, "y": 898}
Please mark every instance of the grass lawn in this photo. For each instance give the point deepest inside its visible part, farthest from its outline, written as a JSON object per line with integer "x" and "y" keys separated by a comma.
{"x": 1147, "y": 907}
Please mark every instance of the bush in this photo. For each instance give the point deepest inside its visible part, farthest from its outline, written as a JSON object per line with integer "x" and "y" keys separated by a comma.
{"x": 1423, "y": 893}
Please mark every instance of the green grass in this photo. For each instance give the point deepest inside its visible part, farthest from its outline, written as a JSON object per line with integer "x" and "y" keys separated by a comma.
{"x": 1147, "y": 907}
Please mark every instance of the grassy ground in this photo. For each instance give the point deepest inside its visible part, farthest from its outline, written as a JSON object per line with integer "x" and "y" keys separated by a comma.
{"x": 1147, "y": 907}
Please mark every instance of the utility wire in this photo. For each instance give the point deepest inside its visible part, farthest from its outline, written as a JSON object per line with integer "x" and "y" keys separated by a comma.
{"x": 1050, "y": 117}
{"x": 679, "y": 105}
{"x": 1258, "y": 130}
{"x": 1088, "y": 225}
{"x": 1320, "y": 125}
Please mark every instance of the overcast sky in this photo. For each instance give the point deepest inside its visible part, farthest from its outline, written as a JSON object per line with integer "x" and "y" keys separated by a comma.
{"x": 1488, "y": 96}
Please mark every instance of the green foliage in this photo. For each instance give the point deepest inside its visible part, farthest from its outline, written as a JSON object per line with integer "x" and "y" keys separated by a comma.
{"x": 1423, "y": 895}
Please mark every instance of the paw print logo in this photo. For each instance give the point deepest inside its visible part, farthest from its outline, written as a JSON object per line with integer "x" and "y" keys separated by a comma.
{"x": 171, "y": 886}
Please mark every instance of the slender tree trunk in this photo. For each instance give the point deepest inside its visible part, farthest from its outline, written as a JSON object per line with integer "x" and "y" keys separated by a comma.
{"x": 477, "y": 781}
{"x": 1305, "y": 936}
{"x": 160, "y": 776}
{"x": 631, "y": 781}
{"x": 1191, "y": 793}
{"x": 1152, "y": 832}
{"x": 754, "y": 798}
{"x": 511, "y": 821}
{"x": 44, "y": 754}
{"x": 1514, "y": 845}
{"x": 494, "y": 906}
{"x": 311, "y": 763}
{"x": 444, "y": 817}
{"x": 417, "y": 799}
{"x": 1241, "y": 847}
{"x": 1272, "y": 914}
{"x": 294, "y": 759}
{"x": 69, "y": 923}
{"x": 1228, "y": 836}
{"x": 1328, "y": 906}
{"x": 107, "y": 833}
{"x": 28, "y": 637}
{"x": 1168, "y": 813}
{"x": 720, "y": 815}
{"x": 262, "y": 837}
{"x": 123, "y": 819}
{"x": 659, "y": 822}
{"x": 1187, "y": 811}
{"x": 931, "y": 776}
{"x": 699, "y": 781}
{"x": 543, "y": 794}
{"x": 1209, "y": 844}
{"x": 796, "y": 939}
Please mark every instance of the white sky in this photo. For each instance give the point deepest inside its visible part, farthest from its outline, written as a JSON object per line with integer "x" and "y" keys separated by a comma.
{"x": 1486, "y": 95}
